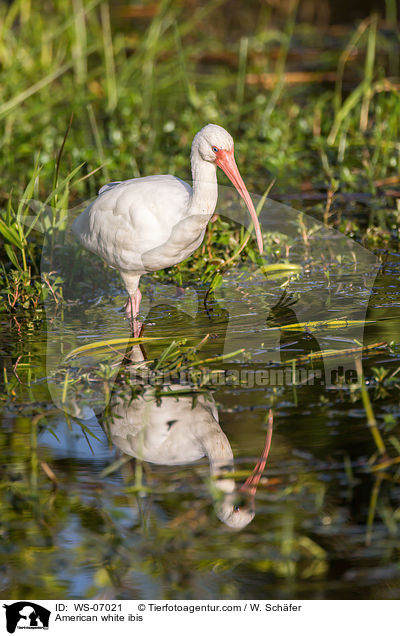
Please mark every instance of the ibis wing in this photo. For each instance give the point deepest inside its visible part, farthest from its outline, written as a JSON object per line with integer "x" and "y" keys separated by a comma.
{"x": 130, "y": 218}
{"x": 109, "y": 186}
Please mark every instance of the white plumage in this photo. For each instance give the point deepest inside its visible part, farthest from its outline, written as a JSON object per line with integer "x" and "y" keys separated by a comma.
{"x": 172, "y": 431}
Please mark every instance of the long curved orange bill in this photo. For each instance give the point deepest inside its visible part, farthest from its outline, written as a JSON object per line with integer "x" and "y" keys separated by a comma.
{"x": 226, "y": 161}
{"x": 250, "y": 485}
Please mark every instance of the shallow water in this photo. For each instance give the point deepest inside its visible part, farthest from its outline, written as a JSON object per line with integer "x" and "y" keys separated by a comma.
{"x": 81, "y": 518}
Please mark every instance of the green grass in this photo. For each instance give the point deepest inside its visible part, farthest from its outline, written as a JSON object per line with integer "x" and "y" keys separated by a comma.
{"x": 88, "y": 96}
{"x": 138, "y": 94}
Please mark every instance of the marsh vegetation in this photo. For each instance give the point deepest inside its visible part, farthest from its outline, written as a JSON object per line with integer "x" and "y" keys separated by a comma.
{"x": 95, "y": 91}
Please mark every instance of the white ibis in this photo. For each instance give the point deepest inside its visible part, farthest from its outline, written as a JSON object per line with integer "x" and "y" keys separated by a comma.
{"x": 171, "y": 431}
{"x": 146, "y": 224}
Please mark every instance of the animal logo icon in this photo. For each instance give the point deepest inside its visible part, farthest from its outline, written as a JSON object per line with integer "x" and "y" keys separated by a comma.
{"x": 25, "y": 614}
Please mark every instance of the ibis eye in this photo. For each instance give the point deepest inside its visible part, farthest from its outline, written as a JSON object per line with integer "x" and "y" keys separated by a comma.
{"x": 238, "y": 504}
{"x": 215, "y": 149}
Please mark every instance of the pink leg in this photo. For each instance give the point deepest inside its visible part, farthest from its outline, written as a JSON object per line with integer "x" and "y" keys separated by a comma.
{"x": 132, "y": 310}
{"x": 136, "y": 328}
{"x": 133, "y": 304}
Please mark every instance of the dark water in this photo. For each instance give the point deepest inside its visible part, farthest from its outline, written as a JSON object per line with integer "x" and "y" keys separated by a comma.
{"x": 82, "y": 517}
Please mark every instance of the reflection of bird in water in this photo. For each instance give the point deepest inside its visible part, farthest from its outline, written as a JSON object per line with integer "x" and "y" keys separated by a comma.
{"x": 282, "y": 314}
{"x": 175, "y": 430}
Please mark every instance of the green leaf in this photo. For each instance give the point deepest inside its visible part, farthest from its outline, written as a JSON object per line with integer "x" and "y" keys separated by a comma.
{"x": 12, "y": 256}
{"x": 28, "y": 192}
{"x": 216, "y": 282}
{"x": 11, "y": 234}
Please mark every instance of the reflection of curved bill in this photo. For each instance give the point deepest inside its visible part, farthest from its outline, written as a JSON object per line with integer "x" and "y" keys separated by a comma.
{"x": 172, "y": 431}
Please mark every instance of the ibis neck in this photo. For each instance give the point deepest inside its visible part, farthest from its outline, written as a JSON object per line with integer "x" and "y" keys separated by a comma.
{"x": 220, "y": 472}
{"x": 217, "y": 448}
{"x": 205, "y": 188}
